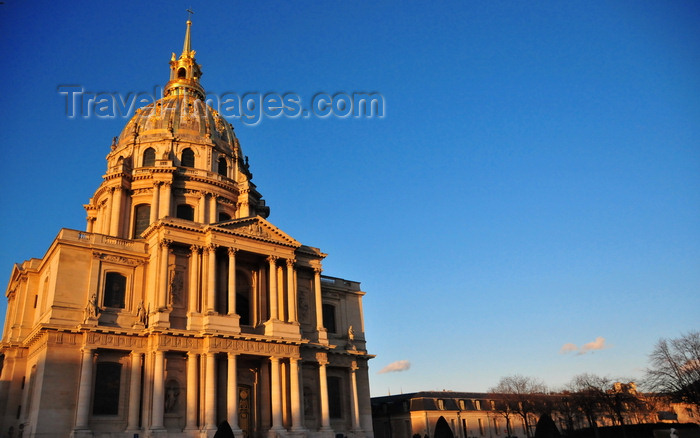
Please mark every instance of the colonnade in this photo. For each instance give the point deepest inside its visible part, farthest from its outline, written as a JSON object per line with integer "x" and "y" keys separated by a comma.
{"x": 152, "y": 388}
{"x": 202, "y": 287}
{"x": 110, "y": 217}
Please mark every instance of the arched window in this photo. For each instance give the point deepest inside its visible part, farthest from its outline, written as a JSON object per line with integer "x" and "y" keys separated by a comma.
{"x": 187, "y": 159}
{"x": 149, "y": 157}
{"x": 222, "y": 166}
{"x": 185, "y": 211}
{"x": 115, "y": 289}
{"x": 142, "y": 219}
{"x": 182, "y": 73}
{"x": 107, "y": 382}
{"x": 223, "y": 217}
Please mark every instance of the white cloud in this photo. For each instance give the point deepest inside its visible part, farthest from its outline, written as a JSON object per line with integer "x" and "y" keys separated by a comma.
{"x": 395, "y": 367}
{"x": 567, "y": 348}
{"x": 598, "y": 344}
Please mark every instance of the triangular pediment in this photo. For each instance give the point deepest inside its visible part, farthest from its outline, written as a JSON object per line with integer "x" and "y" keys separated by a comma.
{"x": 259, "y": 229}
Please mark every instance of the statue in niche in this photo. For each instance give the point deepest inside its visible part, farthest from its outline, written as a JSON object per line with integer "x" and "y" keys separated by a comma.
{"x": 176, "y": 285}
{"x": 172, "y": 393}
{"x": 351, "y": 339}
{"x": 141, "y": 314}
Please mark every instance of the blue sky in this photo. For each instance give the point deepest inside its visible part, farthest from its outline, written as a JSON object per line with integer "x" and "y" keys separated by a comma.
{"x": 533, "y": 186}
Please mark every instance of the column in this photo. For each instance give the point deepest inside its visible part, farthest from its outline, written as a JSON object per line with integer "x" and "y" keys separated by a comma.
{"x": 354, "y": 402}
{"x": 272, "y": 260}
{"x": 202, "y": 208}
{"x": 191, "y": 415}
{"x": 231, "y": 281}
{"x": 165, "y": 199}
{"x": 155, "y": 201}
{"x": 193, "y": 303}
{"x": 163, "y": 274}
{"x": 210, "y": 392}
{"x": 108, "y": 213}
{"x": 291, "y": 291}
{"x": 276, "y": 393}
{"x": 84, "y": 390}
{"x": 232, "y": 392}
{"x": 158, "y": 391}
{"x": 90, "y": 224}
{"x": 295, "y": 393}
{"x": 323, "y": 381}
{"x": 212, "y": 209}
{"x": 211, "y": 278}
{"x": 116, "y": 215}
{"x": 134, "y": 392}
{"x": 319, "y": 300}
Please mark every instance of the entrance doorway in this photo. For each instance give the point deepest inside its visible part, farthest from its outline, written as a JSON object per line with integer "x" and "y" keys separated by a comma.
{"x": 442, "y": 429}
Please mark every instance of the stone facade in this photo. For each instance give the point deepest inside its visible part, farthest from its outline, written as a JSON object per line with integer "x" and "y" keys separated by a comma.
{"x": 181, "y": 306}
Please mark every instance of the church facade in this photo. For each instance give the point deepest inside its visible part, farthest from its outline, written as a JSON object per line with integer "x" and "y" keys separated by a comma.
{"x": 181, "y": 306}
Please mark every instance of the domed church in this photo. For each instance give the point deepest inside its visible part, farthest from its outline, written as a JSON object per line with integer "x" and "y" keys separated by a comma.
{"x": 181, "y": 307}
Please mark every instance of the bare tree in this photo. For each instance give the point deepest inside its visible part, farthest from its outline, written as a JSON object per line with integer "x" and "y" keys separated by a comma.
{"x": 520, "y": 395}
{"x": 587, "y": 395}
{"x": 675, "y": 368}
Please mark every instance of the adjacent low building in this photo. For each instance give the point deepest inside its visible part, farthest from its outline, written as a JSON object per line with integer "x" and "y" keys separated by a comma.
{"x": 448, "y": 414}
{"x": 181, "y": 306}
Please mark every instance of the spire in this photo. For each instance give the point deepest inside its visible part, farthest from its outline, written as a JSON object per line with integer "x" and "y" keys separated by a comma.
{"x": 186, "y": 47}
{"x": 184, "y": 71}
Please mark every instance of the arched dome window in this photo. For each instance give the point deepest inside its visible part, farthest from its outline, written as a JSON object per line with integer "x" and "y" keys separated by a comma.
{"x": 187, "y": 159}
{"x": 142, "y": 219}
{"x": 185, "y": 211}
{"x": 149, "y": 157}
{"x": 181, "y": 73}
{"x": 222, "y": 166}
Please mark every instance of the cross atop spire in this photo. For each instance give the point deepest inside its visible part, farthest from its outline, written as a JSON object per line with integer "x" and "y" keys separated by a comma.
{"x": 186, "y": 47}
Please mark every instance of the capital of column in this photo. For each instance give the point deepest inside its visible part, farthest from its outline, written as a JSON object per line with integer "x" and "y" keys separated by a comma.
{"x": 322, "y": 358}
{"x": 318, "y": 270}
{"x": 291, "y": 262}
{"x": 353, "y": 366}
{"x": 211, "y": 247}
{"x": 157, "y": 183}
{"x": 165, "y": 243}
{"x": 195, "y": 249}
{"x": 272, "y": 259}
{"x": 232, "y": 252}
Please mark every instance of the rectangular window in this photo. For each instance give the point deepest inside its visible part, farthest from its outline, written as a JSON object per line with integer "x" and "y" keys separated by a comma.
{"x": 329, "y": 318}
{"x": 107, "y": 383}
{"x": 481, "y": 427}
{"x": 335, "y": 397}
{"x": 115, "y": 289}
